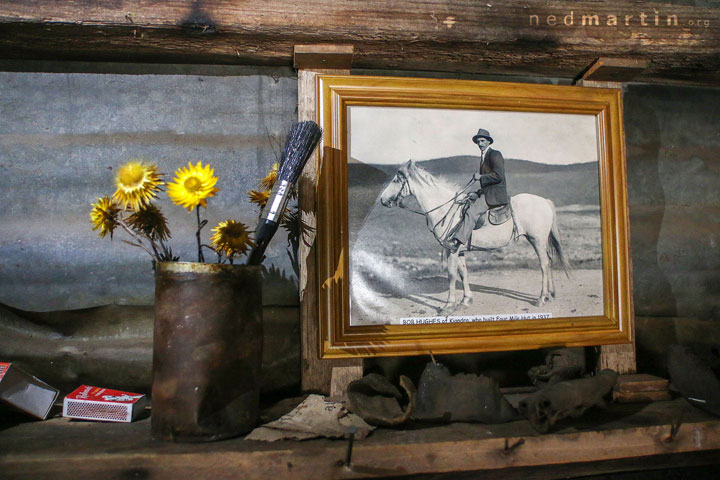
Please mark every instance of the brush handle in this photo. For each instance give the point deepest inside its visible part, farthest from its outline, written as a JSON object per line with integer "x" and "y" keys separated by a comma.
{"x": 270, "y": 220}
{"x": 265, "y": 232}
{"x": 301, "y": 142}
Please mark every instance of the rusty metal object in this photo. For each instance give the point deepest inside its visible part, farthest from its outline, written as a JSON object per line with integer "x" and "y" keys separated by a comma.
{"x": 442, "y": 397}
{"x": 560, "y": 364}
{"x": 569, "y": 398}
{"x": 207, "y": 351}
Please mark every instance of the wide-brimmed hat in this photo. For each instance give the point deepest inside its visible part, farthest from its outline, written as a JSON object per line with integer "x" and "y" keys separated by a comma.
{"x": 482, "y": 133}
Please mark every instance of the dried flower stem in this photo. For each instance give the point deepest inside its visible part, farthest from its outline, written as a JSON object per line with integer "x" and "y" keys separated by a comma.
{"x": 201, "y": 257}
{"x": 138, "y": 239}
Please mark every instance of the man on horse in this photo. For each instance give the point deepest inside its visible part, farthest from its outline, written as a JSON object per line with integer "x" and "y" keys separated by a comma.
{"x": 489, "y": 182}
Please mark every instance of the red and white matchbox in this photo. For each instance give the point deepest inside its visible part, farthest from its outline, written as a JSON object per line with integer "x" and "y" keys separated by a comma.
{"x": 95, "y": 403}
{"x": 24, "y": 392}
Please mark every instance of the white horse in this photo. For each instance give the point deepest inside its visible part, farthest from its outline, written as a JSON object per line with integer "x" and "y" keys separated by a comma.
{"x": 437, "y": 198}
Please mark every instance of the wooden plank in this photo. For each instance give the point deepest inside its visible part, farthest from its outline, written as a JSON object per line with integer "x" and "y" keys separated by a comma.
{"x": 62, "y": 449}
{"x": 534, "y": 37}
{"x": 316, "y": 373}
{"x": 323, "y": 56}
{"x": 641, "y": 382}
{"x": 341, "y": 377}
{"x": 609, "y": 69}
{"x": 622, "y": 357}
{"x": 641, "y": 397}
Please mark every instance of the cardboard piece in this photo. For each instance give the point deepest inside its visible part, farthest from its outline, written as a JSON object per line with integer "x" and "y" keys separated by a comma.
{"x": 24, "y": 392}
{"x": 315, "y": 417}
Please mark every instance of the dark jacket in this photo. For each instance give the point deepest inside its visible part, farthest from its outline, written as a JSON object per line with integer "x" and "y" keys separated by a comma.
{"x": 492, "y": 179}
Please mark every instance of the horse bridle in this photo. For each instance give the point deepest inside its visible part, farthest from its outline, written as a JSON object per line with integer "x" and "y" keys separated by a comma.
{"x": 406, "y": 188}
{"x": 404, "y": 192}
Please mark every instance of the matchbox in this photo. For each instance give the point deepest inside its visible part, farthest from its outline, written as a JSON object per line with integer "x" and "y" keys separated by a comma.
{"x": 24, "y": 392}
{"x": 103, "y": 404}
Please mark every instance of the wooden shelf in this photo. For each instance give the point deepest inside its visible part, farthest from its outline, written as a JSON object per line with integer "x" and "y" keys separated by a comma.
{"x": 624, "y": 437}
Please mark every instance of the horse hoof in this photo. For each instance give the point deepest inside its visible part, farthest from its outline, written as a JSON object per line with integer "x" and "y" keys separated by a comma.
{"x": 447, "y": 309}
{"x": 542, "y": 301}
{"x": 466, "y": 302}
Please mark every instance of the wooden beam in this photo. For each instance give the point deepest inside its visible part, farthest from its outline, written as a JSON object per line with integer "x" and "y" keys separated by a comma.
{"x": 620, "y": 358}
{"x": 534, "y": 37}
{"x": 329, "y": 377}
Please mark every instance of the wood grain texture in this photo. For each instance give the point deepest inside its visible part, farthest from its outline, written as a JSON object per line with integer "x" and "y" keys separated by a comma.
{"x": 341, "y": 377}
{"x": 534, "y": 37}
{"x": 640, "y": 397}
{"x": 608, "y": 69}
{"x": 323, "y": 56}
{"x": 641, "y": 382}
{"x": 316, "y": 373}
{"x": 621, "y": 358}
{"x": 61, "y": 449}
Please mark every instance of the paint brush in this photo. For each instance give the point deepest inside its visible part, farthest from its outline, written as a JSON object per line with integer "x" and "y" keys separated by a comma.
{"x": 300, "y": 143}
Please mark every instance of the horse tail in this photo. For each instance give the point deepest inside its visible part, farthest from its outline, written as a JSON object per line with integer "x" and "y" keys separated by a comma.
{"x": 554, "y": 246}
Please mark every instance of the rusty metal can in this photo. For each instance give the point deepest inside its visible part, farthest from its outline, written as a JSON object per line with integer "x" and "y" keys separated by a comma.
{"x": 207, "y": 351}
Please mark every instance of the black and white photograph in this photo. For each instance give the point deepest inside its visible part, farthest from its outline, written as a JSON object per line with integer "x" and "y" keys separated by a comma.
{"x": 460, "y": 215}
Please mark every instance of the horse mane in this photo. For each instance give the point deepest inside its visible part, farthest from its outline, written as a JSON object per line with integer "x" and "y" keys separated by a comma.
{"x": 438, "y": 182}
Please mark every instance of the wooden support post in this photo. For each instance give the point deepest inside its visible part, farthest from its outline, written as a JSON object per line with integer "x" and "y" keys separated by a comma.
{"x": 610, "y": 73}
{"x": 323, "y": 376}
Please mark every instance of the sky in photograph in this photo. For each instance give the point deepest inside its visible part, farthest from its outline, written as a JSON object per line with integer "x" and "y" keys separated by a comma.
{"x": 393, "y": 135}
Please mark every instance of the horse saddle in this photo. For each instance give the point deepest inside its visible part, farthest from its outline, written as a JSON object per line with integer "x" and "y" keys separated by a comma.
{"x": 495, "y": 216}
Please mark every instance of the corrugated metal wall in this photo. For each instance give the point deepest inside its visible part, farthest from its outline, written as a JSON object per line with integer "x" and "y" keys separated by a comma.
{"x": 62, "y": 135}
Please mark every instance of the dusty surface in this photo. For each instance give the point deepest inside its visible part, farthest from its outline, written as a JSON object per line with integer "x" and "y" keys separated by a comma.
{"x": 495, "y": 292}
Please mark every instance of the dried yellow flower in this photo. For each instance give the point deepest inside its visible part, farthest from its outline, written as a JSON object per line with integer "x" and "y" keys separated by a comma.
{"x": 231, "y": 238}
{"x": 104, "y": 215}
{"x": 259, "y": 198}
{"x": 150, "y": 221}
{"x": 193, "y": 186}
{"x": 137, "y": 184}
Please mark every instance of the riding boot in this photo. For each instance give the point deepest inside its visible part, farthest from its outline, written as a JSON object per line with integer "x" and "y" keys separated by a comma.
{"x": 452, "y": 244}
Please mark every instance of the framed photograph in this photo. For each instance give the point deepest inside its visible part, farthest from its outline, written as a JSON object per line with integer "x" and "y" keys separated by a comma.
{"x": 462, "y": 216}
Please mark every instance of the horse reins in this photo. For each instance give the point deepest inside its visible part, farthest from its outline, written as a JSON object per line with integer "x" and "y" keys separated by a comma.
{"x": 452, "y": 200}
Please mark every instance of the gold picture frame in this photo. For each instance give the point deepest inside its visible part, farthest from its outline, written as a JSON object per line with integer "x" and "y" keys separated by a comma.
{"x": 353, "y": 109}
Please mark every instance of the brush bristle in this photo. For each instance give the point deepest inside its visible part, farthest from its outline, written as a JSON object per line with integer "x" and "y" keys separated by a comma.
{"x": 301, "y": 141}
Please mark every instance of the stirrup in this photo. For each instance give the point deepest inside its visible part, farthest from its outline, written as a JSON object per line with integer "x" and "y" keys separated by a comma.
{"x": 452, "y": 244}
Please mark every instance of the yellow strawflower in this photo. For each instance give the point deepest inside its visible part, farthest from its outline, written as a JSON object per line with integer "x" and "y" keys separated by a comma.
{"x": 150, "y": 221}
{"x": 137, "y": 184}
{"x": 269, "y": 181}
{"x": 231, "y": 238}
{"x": 259, "y": 197}
{"x": 192, "y": 186}
{"x": 103, "y": 216}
